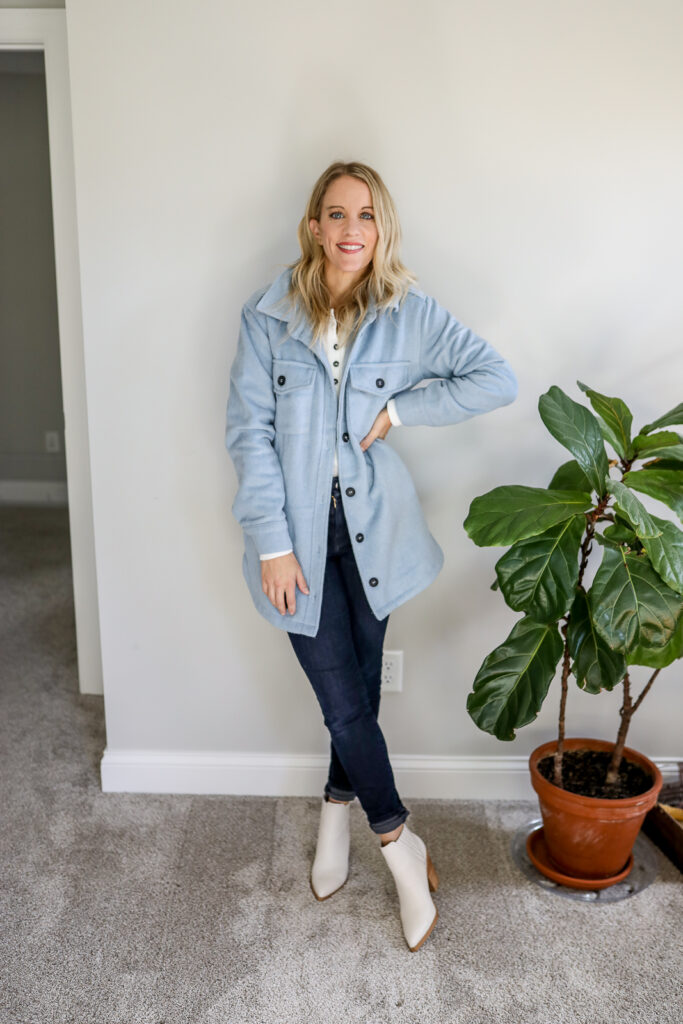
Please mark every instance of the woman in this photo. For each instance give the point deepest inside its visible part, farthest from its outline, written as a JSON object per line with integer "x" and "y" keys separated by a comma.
{"x": 327, "y": 362}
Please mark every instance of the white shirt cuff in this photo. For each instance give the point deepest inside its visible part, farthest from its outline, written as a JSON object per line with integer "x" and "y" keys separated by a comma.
{"x": 275, "y": 554}
{"x": 393, "y": 415}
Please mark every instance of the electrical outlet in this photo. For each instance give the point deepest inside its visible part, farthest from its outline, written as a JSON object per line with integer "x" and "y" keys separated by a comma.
{"x": 51, "y": 440}
{"x": 392, "y": 672}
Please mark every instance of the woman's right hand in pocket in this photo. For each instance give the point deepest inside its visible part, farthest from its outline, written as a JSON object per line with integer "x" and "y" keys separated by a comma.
{"x": 280, "y": 577}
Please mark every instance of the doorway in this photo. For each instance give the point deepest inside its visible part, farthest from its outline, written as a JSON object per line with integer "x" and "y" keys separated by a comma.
{"x": 33, "y": 47}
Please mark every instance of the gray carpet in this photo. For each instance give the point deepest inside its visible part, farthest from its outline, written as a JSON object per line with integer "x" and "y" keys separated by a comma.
{"x": 133, "y": 909}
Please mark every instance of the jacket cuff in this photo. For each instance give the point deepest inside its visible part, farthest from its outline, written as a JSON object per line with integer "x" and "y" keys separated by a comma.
{"x": 270, "y": 537}
{"x": 274, "y": 554}
{"x": 409, "y": 406}
{"x": 393, "y": 414}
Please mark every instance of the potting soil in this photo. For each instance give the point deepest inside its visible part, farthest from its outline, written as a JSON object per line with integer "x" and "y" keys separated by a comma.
{"x": 584, "y": 772}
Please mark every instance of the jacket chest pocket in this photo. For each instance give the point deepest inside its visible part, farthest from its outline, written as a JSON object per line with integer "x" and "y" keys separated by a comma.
{"x": 293, "y": 387}
{"x": 370, "y": 386}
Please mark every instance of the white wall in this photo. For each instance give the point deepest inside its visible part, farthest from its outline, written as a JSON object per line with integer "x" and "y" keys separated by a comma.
{"x": 535, "y": 155}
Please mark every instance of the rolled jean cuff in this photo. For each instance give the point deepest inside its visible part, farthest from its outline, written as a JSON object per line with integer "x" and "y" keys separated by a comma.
{"x": 338, "y": 794}
{"x": 389, "y": 824}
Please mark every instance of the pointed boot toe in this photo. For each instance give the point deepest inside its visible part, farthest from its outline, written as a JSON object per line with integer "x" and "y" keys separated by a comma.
{"x": 416, "y": 878}
{"x": 331, "y": 863}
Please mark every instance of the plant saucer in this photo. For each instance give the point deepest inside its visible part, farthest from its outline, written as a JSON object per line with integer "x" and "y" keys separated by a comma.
{"x": 539, "y": 856}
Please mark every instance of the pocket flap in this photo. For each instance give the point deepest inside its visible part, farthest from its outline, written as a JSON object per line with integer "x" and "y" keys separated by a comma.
{"x": 288, "y": 374}
{"x": 380, "y": 378}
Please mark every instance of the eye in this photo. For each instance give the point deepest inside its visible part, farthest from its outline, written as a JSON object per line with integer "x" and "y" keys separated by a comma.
{"x": 335, "y": 212}
{"x": 368, "y": 214}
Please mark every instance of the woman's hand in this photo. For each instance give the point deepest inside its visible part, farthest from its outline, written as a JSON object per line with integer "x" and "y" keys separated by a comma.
{"x": 279, "y": 579}
{"x": 380, "y": 428}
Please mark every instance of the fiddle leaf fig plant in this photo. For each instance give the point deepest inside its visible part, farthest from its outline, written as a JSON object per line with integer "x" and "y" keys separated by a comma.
{"x": 632, "y": 614}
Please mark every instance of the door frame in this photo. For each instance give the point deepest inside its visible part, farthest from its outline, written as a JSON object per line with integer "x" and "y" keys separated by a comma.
{"x": 40, "y": 29}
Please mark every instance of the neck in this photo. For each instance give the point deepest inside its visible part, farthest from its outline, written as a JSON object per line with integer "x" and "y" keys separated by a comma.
{"x": 339, "y": 284}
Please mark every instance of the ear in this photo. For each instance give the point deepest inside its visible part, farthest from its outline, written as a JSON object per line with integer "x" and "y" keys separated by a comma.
{"x": 315, "y": 227}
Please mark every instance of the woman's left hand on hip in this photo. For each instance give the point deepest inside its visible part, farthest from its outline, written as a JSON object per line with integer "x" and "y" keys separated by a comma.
{"x": 380, "y": 428}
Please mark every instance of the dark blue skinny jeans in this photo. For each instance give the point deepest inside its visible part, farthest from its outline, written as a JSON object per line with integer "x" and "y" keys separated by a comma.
{"x": 343, "y": 662}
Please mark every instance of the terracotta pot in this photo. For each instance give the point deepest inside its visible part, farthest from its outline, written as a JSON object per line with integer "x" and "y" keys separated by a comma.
{"x": 587, "y": 836}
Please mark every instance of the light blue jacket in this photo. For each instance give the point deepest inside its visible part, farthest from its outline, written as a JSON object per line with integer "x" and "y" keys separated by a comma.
{"x": 283, "y": 421}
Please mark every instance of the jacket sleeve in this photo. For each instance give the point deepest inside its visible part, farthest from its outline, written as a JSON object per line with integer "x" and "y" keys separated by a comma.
{"x": 474, "y": 377}
{"x": 259, "y": 503}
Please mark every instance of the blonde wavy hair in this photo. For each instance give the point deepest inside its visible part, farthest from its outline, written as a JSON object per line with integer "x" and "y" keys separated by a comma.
{"x": 386, "y": 278}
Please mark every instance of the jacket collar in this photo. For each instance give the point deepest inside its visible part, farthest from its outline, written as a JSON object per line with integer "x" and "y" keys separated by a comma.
{"x": 272, "y": 303}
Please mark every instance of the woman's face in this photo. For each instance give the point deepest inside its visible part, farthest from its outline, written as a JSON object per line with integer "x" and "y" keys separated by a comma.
{"x": 346, "y": 230}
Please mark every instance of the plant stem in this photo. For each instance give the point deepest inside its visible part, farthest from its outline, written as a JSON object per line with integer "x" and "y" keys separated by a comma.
{"x": 559, "y": 752}
{"x": 587, "y": 545}
{"x": 626, "y": 711}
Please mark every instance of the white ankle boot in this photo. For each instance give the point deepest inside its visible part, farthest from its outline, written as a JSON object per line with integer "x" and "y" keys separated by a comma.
{"x": 415, "y": 877}
{"x": 331, "y": 864}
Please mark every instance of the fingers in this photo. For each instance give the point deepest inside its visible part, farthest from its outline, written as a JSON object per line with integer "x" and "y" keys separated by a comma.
{"x": 303, "y": 586}
{"x": 290, "y": 596}
{"x": 380, "y": 428}
{"x": 275, "y": 592}
{"x": 279, "y": 582}
{"x": 369, "y": 438}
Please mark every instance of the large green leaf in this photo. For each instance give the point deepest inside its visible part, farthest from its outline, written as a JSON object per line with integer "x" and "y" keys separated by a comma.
{"x": 660, "y": 657}
{"x": 596, "y": 666}
{"x": 538, "y": 575}
{"x": 662, "y": 480}
{"x": 577, "y": 429}
{"x": 629, "y": 603}
{"x": 616, "y": 420}
{"x": 673, "y": 416}
{"x": 511, "y": 513}
{"x": 666, "y": 553}
{"x": 662, "y": 540}
{"x": 667, "y": 443}
{"x": 633, "y": 510}
{"x": 511, "y": 685}
{"x": 570, "y": 477}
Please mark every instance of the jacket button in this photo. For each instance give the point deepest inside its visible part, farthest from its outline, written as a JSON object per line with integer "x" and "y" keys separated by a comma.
{"x": 373, "y": 581}
{"x": 350, "y": 491}
{"x": 336, "y": 362}
{"x": 281, "y": 380}
{"x": 379, "y": 382}
{"x": 345, "y": 436}
{"x": 336, "y": 381}
{"x": 360, "y": 537}
{"x": 336, "y": 345}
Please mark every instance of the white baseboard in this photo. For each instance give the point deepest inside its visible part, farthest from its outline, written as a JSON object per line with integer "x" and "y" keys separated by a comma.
{"x": 224, "y": 772}
{"x": 33, "y": 492}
